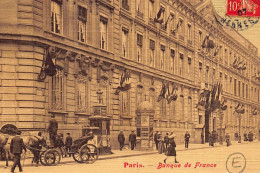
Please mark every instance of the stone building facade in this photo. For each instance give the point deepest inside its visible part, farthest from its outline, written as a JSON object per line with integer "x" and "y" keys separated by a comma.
{"x": 94, "y": 44}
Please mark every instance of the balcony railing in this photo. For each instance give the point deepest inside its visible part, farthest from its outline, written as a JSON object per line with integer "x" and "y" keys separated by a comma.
{"x": 125, "y": 6}
{"x": 140, "y": 14}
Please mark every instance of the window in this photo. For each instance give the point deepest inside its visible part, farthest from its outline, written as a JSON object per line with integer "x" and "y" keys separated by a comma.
{"x": 189, "y": 32}
{"x": 82, "y": 21}
{"x": 139, "y": 95}
{"x": 162, "y": 57}
{"x": 235, "y": 86}
{"x": 200, "y": 71}
{"x": 172, "y": 60}
{"x": 163, "y": 108}
{"x": 181, "y": 64}
{"x": 172, "y": 23}
{"x": 125, "y": 4}
{"x": 151, "y": 10}
{"x": 56, "y": 16}
{"x": 124, "y": 102}
{"x": 173, "y": 111}
{"x": 152, "y": 47}
{"x": 189, "y": 66}
{"x": 226, "y": 57}
{"x": 207, "y": 74}
{"x": 190, "y": 109}
{"x": 152, "y": 96}
{"x": 200, "y": 119}
{"x": 243, "y": 90}
{"x": 181, "y": 107}
{"x": 139, "y": 47}
{"x": 124, "y": 43}
{"x": 81, "y": 95}
{"x": 200, "y": 39}
{"x": 103, "y": 32}
{"x": 57, "y": 88}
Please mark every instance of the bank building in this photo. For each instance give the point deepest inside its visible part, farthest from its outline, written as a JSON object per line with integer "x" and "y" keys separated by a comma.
{"x": 142, "y": 65}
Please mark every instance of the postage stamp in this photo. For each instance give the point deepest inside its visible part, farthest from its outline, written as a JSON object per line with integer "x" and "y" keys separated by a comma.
{"x": 245, "y": 8}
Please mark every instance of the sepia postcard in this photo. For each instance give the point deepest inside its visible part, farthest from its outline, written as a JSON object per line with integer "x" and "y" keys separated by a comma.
{"x": 93, "y": 86}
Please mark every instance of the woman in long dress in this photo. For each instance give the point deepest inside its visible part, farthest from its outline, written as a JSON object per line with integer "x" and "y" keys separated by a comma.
{"x": 171, "y": 152}
{"x": 161, "y": 147}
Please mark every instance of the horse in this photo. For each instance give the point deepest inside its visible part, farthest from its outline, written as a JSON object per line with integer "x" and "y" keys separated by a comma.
{"x": 31, "y": 142}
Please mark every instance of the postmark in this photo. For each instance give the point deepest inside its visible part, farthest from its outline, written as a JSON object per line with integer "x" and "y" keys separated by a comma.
{"x": 246, "y": 8}
{"x": 236, "y": 163}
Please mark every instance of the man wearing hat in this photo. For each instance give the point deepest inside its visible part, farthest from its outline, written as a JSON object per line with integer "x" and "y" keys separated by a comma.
{"x": 68, "y": 143}
{"x": 16, "y": 148}
{"x": 187, "y": 139}
{"x": 121, "y": 139}
{"x": 52, "y": 129}
{"x": 132, "y": 140}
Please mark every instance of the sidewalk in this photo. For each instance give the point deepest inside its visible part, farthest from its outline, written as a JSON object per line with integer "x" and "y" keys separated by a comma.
{"x": 131, "y": 153}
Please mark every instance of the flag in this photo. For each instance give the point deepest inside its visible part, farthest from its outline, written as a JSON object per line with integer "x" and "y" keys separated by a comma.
{"x": 166, "y": 23}
{"x": 178, "y": 25}
{"x": 159, "y": 17}
{"x": 234, "y": 63}
{"x": 205, "y": 41}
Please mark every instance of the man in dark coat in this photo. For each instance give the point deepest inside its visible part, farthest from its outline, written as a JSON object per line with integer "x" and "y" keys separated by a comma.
{"x": 68, "y": 144}
{"x": 166, "y": 140}
{"x": 16, "y": 148}
{"x": 53, "y": 128}
{"x": 121, "y": 139}
{"x": 155, "y": 138}
{"x": 187, "y": 139}
{"x": 37, "y": 145}
{"x": 132, "y": 140}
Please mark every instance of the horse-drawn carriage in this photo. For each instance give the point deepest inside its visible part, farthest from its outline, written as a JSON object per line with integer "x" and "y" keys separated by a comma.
{"x": 81, "y": 151}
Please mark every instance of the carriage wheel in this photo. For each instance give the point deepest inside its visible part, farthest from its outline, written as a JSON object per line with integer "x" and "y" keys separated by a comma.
{"x": 88, "y": 153}
{"x": 52, "y": 157}
{"x": 42, "y": 160}
{"x": 76, "y": 157}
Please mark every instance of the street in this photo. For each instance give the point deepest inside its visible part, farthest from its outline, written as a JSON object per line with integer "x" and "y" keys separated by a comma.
{"x": 215, "y": 159}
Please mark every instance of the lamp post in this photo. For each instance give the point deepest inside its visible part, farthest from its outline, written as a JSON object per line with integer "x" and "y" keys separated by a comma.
{"x": 239, "y": 122}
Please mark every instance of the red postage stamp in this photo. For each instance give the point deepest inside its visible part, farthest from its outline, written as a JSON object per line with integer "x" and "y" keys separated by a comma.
{"x": 243, "y": 8}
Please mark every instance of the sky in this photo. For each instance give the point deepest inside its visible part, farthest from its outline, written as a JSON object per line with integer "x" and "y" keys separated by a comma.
{"x": 252, "y": 33}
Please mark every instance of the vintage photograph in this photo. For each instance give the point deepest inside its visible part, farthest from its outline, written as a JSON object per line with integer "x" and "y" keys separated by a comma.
{"x": 93, "y": 86}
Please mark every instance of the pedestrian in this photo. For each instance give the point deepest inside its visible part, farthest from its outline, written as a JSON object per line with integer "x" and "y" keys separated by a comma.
{"x": 211, "y": 143}
{"x": 228, "y": 139}
{"x": 132, "y": 140}
{"x": 161, "y": 148}
{"x": 38, "y": 147}
{"x": 68, "y": 144}
{"x": 121, "y": 139}
{"x": 155, "y": 138}
{"x": 60, "y": 144}
{"x": 236, "y": 136}
{"x": 245, "y": 137}
{"x": 171, "y": 149}
{"x": 187, "y": 139}
{"x": 52, "y": 129}
{"x": 16, "y": 147}
{"x": 254, "y": 136}
{"x": 166, "y": 140}
{"x": 202, "y": 137}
